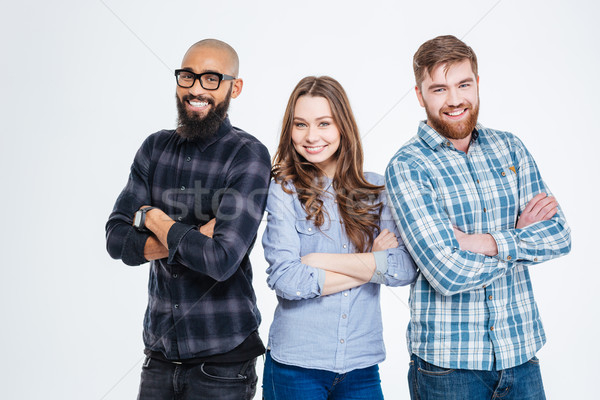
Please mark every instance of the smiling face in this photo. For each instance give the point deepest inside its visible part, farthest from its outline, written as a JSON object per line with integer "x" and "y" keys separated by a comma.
{"x": 201, "y": 111}
{"x": 314, "y": 133}
{"x": 197, "y": 100}
{"x": 451, "y": 99}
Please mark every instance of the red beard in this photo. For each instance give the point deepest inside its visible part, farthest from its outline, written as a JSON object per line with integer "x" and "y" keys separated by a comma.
{"x": 454, "y": 130}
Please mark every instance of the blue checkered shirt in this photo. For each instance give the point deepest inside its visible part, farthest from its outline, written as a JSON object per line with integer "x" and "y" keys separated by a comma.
{"x": 200, "y": 299}
{"x": 470, "y": 311}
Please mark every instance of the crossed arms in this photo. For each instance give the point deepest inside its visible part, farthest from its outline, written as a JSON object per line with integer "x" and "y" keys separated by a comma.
{"x": 296, "y": 276}
{"x": 243, "y": 196}
{"x": 453, "y": 261}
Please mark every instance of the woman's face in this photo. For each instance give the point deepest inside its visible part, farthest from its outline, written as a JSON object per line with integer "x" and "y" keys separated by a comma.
{"x": 314, "y": 134}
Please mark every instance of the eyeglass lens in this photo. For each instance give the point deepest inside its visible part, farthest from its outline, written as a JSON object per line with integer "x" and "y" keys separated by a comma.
{"x": 208, "y": 81}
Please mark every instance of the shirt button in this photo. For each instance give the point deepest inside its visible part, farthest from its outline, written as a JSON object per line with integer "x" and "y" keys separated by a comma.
{"x": 535, "y": 259}
{"x": 297, "y": 293}
{"x": 342, "y": 341}
{"x": 484, "y": 286}
{"x": 182, "y": 188}
{"x": 344, "y": 316}
{"x": 179, "y": 218}
{"x": 490, "y": 297}
{"x": 176, "y": 306}
{"x": 503, "y": 173}
{"x": 309, "y": 229}
{"x": 344, "y": 246}
{"x": 345, "y": 294}
{"x": 395, "y": 275}
{"x": 492, "y": 328}
{"x": 484, "y": 209}
{"x": 188, "y": 159}
{"x": 175, "y": 275}
{"x": 378, "y": 272}
{"x": 509, "y": 258}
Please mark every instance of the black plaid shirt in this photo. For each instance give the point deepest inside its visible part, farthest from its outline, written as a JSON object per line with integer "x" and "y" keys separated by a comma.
{"x": 200, "y": 299}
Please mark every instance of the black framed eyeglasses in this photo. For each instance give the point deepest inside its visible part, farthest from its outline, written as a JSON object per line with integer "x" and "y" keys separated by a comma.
{"x": 208, "y": 80}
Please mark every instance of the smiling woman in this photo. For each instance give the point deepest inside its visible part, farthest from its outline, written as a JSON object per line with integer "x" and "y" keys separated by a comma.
{"x": 330, "y": 242}
{"x": 314, "y": 133}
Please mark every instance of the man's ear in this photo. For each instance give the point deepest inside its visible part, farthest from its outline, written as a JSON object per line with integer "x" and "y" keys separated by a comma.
{"x": 419, "y": 96}
{"x": 238, "y": 84}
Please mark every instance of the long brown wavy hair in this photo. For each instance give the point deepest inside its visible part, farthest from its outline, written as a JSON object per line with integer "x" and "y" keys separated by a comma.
{"x": 356, "y": 198}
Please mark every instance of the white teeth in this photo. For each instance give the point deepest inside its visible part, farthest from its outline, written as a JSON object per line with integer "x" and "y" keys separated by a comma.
{"x": 314, "y": 148}
{"x": 455, "y": 113}
{"x": 199, "y": 103}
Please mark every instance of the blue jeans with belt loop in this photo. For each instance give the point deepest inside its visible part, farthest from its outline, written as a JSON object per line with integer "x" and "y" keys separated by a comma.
{"x": 163, "y": 380}
{"x": 429, "y": 382}
{"x": 288, "y": 382}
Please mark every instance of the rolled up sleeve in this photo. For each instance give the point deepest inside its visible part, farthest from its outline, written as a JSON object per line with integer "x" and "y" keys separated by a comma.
{"x": 290, "y": 279}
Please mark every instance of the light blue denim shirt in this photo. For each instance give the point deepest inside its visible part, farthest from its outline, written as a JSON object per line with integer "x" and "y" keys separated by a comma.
{"x": 340, "y": 332}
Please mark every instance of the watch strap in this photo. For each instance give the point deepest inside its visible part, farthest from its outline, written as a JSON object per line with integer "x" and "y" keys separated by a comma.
{"x": 143, "y": 211}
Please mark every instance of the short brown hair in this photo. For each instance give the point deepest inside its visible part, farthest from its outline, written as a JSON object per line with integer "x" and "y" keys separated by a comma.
{"x": 441, "y": 50}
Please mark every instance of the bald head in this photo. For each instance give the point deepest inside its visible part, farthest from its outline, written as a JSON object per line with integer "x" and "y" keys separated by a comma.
{"x": 225, "y": 50}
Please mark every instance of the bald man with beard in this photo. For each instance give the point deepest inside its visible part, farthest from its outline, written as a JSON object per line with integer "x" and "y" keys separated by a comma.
{"x": 191, "y": 207}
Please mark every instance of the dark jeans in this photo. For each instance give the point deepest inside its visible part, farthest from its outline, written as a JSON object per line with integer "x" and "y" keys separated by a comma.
{"x": 224, "y": 381}
{"x": 429, "y": 382}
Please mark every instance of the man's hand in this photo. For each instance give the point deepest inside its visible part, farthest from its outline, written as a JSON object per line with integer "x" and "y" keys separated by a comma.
{"x": 385, "y": 240}
{"x": 540, "y": 208}
{"x": 208, "y": 229}
{"x": 482, "y": 243}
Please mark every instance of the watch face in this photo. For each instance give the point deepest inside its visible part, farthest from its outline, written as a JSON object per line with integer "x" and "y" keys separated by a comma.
{"x": 137, "y": 219}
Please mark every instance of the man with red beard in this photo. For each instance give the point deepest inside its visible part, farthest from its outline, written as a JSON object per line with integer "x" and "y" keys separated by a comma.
{"x": 192, "y": 206}
{"x": 475, "y": 214}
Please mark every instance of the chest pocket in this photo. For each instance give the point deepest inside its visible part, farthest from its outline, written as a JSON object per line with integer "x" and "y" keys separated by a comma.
{"x": 309, "y": 236}
{"x": 316, "y": 240}
{"x": 508, "y": 175}
{"x": 507, "y": 194}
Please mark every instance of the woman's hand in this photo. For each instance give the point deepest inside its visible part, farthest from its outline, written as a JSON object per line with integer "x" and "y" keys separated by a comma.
{"x": 385, "y": 240}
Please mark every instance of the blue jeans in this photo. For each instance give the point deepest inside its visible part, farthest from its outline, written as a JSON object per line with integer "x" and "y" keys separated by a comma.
{"x": 168, "y": 381}
{"x": 523, "y": 382}
{"x": 287, "y": 382}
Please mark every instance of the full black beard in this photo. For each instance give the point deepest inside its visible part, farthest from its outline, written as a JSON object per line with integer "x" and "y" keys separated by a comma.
{"x": 192, "y": 127}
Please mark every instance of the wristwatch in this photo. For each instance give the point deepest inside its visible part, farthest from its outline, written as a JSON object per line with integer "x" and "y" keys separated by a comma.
{"x": 139, "y": 219}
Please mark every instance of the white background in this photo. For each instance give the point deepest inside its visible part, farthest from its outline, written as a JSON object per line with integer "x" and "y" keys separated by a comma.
{"x": 84, "y": 82}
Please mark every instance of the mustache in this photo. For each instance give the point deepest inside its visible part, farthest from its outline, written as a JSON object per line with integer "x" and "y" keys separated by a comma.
{"x": 206, "y": 99}
{"x": 461, "y": 106}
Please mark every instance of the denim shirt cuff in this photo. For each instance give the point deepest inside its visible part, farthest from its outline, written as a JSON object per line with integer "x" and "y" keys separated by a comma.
{"x": 381, "y": 267}
{"x": 174, "y": 237}
{"x": 507, "y": 245}
{"x": 320, "y": 280}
